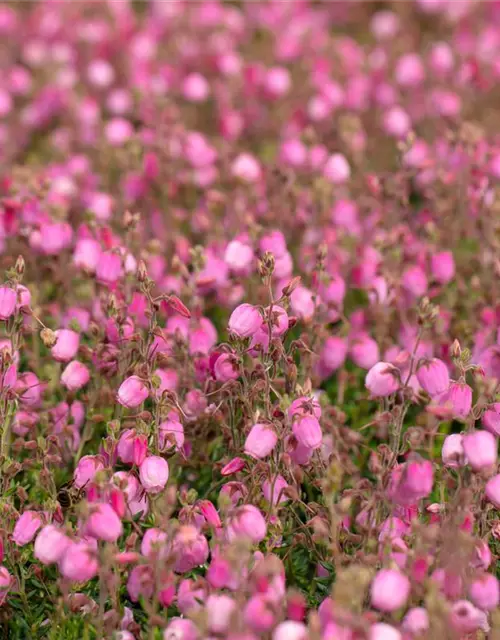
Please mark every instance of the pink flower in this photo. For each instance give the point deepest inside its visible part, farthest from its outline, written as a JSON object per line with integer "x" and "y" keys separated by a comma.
{"x": 260, "y": 441}
{"x": 66, "y": 346}
{"x": 302, "y": 303}
{"x": 465, "y": 618}
{"x": 433, "y": 376}
{"x": 414, "y": 281}
{"x": 485, "y": 592}
{"x": 79, "y": 562}
{"x": 26, "y": 527}
{"x": 220, "y": 609}
{"x": 239, "y": 257}
{"x": 458, "y": 399}
{"x": 154, "y": 539}
{"x": 492, "y": 490}
{"x": 181, "y": 629}
{"x": 382, "y": 379}
{"x": 480, "y": 448}
{"x": 491, "y": 419}
{"x": 258, "y": 614}
{"x": 86, "y": 254}
{"x": 278, "y": 81}
{"x": 118, "y": 131}
{"x": 332, "y": 356}
{"x": 141, "y": 582}
{"x": 195, "y": 88}
{"x": 411, "y": 481}
{"x": 104, "y": 523}
{"x": 109, "y": 268}
{"x": 246, "y": 168}
{"x": 383, "y": 631}
{"x": 8, "y": 301}
{"x": 416, "y": 621}
{"x": 154, "y": 473}
{"x": 389, "y": 590}
{"x": 337, "y": 169}
{"x": 364, "y": 352}
{"x": 50, "y": 545}
{"x": 132, "y": 392}
{"x": 307, "y": 430}
{"x": 247, "y": 522}
{"x": 28, "y": 386}
{"x": 226, "y": 368}
{"x": 272, "y": 490}
{"x": 452, "y": 453}
{"x": 245, "y": 321}
{"x": 290, "y": 630}
{"x": 5, "y": 583}
{"x": 75, "y": 376}
{"x": 190, "y": 548}
{"x": 86, "y": 470}
{"x": 125, "y": 447}
{"x": 443, "y": 266}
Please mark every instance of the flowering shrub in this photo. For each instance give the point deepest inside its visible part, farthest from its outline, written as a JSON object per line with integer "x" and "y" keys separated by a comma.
{"x": 250, "y": 320}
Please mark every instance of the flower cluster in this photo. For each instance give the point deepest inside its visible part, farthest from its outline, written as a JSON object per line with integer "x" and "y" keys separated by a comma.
{"x": 250, "y": 320}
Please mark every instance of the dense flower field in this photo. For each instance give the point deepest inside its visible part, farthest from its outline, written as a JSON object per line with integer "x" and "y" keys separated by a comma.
{"x": 249, "y": 320}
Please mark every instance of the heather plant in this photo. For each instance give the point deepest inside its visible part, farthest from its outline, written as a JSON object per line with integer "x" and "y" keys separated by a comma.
{"x": 249, "y": 320}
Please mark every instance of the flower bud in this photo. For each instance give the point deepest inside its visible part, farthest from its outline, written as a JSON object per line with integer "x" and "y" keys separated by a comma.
{"x": 233, "y": 466}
